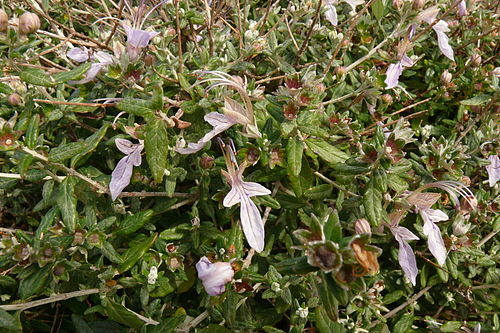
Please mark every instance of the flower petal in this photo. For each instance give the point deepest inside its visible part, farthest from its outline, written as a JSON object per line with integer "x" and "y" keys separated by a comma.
{"x": 125, "y": 146}
{"x": 90, "y": 75}
{"x": 232, "y": 198}
{"x": 493, "y": 170}
{"x": 331, "y": 13}
{"x": 435, "y": 241}
{"x": 252, "y": 189}
{"x": 441, "y": 28}
{"x": 214, "y": 276}
{"x": 428, "y": 15}
{"x": 433, "y": 215}
{"x": 78, "y": 54}
{"x": 407, "y": 260}
{"x": 138, "y": 38}
{"x": 252, "y": 224}
{"x": 104, "y": 57}
{"x": 393, "y": 73}
{"x": 462, "y": 8}
{"x": 404, "y": 233}
{"x": 120, "y": 177}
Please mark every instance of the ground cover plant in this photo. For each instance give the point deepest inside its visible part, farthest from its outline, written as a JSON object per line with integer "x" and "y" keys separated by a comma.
{"x": 249, "y": 166}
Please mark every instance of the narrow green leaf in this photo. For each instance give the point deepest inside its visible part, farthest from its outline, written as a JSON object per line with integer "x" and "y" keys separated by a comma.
{"x": 294, "y": 152}
{"x": 32, "y": 131}
{"x": 133, "y": 254}
{"x": 34, "y": 283}
{"x": 109, "y": 252}
{"x": 378, "y": 8}
{"x": 63, "y": 152}
{"x": 132, "y": 223}
{"x": 66, "y": 200}
{"x": 476, "y": 100}
{"x": 404, "y": 323}
{"x": 156, "y": 143}
{"x": 326, "y": 151}
{"x": 91, "y": 143}
{"x": 36, "y": 77}
{"x": 47, "y": 221}
{"x": 121, "y": 314}
{"x": 138, "y": 107}
{"x": 319, "y": 192}
{"x": 9, "y": 323}
{"x": 372, "y": 202}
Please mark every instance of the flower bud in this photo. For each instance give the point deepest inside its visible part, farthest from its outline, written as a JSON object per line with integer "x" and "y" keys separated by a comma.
{"x": 397, "y": 3}
{"x": 4, "y": 21}
{"x": 418, "y": 4}
{"x": 340, "y": 71}
{"x": 149, "y": 60}
{"x": 28, "y": 23}
{"x": 207, "y": 162}
{"x": 387, "y": 99}
{"x": 14, "y": 99}
{"x": 446, "y": 78}
{"x": 475, "y": 60}
{"x": 362, "y": 226}
{"x": 214, "y": 276}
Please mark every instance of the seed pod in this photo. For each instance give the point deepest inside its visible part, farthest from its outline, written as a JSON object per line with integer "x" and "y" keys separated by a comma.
{"x": 28, "y": 23}
{"x": 340, "y": 71}
{"x": 4, "y": 21}
{"x": 14, "y": 99}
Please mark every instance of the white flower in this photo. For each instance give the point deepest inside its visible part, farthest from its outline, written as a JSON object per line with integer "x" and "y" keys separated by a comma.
{"x": 394, "y": 71}
{"x": 302, "y": 312}
{"x": 122, "y": 173}
{"x": 406, "y": 257}
{"x": 153, "y": 275}
{"x": 241, "y": 192}
{"x": 214, "y": 276}
{"x": 441, "y": 27}
{"x": 493, "y": 170}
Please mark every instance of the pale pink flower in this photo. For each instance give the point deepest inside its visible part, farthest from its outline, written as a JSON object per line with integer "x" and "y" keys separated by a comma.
{"x": 441, "y": 28}
{"x": 214, "y": 276}
{"x": 431, "y": 230}
{"x": 462, "y": 8}
{"x": 394, "y": 71}
{"x": 406, "y": 257}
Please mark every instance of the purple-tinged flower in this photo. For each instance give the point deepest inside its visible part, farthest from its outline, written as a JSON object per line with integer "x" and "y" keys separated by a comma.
{"x": 241, "y": 192}
{"x": 362, "y": 226}
{"x": 431, "y": 230}
{"x": 79, "y": 55}
{"x": 441, "y": 28}
{"x": 406, "y": 257}
{"x": 331, "y": 11}
{"x": 394, "y": 71}
{"x": 122, "y": 173}
{"x": 137, "y": 39}
{"x": 103, "y": 59}
{"x": 493, "y": 170}
{"x": 462, "y": 8}
{"x": 214, "y": 276}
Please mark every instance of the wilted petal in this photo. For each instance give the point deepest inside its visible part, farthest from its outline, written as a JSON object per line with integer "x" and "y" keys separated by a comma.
{"x": 435, "y": 241}
{"x": 214, "y": 276}
{"x": 252, "y": 224}
{"x": 331, "y": 13}
{"x": 120, "y": 177}
{"x": 138, "y": 38}
{"x": 441, "y": 28}
{"x": 428, "y": 15}
{"x": 393, "y": 73}
{"x": 220, "y": 123}
{"x": 77, "y": 54}
{"x": 493, "y": 170}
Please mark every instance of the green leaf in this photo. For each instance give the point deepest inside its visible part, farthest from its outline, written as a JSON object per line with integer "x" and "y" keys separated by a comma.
{"x": 66, "y": 200}
{"x": 372, "y": 202}
{"x": 294, "y": 151}
{"x": 404, "y": 323}
{"x": 168, "y": 325}
{"x": 330, "y": 303}
{"x": 451, "y": 326}
{"x": 5, "y": 89}
{"x": 9, "y": 323}
{"x": 73, "y": 74}
{"x": 214, "y": 328}
{"x": 380, "y": 180}
{"x": 138, "y": 107}
{"x": 33, "y": 284}
{"x": 325, "y": 325}
{"x": 109, "y": 252}
{"x": 91, "y": 143}
{"x": 47, "y": 221}
{"x": 326, "y": 151}
{"x": 319, "y": 192}
{"x": 476, "y": 100}
{"x": 156, "y": 145}
{"x": 121, "y": 314}
{"x": 378, "y": 8}
{"x": 63, "y": 152}
{"x": 81, "y": 325}
{"x": 133, "y": 254}
{"x": 36, "y": 77}
{"x": 32, "y": 132}
{"x": 304, "y": 180}
{"x": 132, "y": 223}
